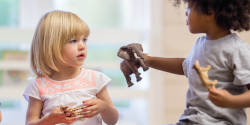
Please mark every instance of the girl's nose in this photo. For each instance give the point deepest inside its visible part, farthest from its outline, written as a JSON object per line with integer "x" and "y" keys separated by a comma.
{"x": 81, "y": 46}
{"x": 186, "y": 12}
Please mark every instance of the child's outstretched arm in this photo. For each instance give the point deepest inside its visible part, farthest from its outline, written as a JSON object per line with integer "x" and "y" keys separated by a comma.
{"x": 103, "y": 105}
{"x": 223, "y": 98}
{"x": 172, "y": 65}
{"x": 33, "y": 116}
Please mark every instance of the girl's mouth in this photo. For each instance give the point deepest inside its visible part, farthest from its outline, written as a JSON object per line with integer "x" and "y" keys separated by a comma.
{"x": 81, "y": 56}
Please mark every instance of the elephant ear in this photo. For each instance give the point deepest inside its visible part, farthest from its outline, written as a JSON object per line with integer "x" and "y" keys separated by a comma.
{"x": 123, "y": 54}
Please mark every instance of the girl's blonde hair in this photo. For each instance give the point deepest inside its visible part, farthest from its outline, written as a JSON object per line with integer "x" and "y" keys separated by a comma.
{"x": 54, "y": 29}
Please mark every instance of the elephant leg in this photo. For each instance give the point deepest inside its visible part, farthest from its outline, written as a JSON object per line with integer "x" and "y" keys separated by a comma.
{"x": 132, "y": 67}
{"x": 126, "y": 72}
{"x": 144, "y": 67}
{"x": 128, "y": 79}
{"x": 130, "y": 63}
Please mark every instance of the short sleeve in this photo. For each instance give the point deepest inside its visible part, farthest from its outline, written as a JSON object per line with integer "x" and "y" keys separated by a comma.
{"x": 32, "y": 91}
{"x": 184, "y": 66}
{"x": 241, "y": 64}
{"x": 186, "y": 63}
{"x": 101, "y": 81}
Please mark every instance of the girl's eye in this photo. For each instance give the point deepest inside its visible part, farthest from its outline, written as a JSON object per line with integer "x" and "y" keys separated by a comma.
{"x": 84, "y": 40}
{"x": 73, "y": 41}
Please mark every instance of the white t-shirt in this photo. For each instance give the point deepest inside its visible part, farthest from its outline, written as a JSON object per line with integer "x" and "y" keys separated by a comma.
{"x": 68, "y": 92}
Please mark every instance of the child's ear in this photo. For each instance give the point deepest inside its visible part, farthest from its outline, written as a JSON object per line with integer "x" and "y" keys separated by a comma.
{"x": 210, "y": 16}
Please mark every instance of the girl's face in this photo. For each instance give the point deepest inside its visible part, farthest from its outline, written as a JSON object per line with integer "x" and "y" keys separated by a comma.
{"x": 74, "y": 52}
{"x": 196, "y": 22}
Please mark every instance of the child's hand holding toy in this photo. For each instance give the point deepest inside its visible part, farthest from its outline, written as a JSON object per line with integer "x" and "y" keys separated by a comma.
{"x": 221, "y": 98}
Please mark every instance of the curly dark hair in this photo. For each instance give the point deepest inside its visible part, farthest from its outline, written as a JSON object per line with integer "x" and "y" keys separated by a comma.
{"x": 229, "y": 14}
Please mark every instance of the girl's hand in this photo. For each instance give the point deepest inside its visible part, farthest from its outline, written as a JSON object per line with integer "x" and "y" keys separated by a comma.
{"x": 221, "y": 98}
{"x": 94, "y": 107}
{"x": 57, "y": 116}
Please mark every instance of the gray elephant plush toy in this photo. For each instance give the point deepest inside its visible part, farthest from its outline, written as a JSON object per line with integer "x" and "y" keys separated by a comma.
{"x": 132, "y": 57}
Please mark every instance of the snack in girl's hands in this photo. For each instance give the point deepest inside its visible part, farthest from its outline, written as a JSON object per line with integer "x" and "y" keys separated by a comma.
{"x": 74, "y": 112}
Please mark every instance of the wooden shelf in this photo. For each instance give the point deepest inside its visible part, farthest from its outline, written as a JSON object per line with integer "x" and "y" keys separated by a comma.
{"x": 14, "y": 65}
{"x": 24, "y": 65}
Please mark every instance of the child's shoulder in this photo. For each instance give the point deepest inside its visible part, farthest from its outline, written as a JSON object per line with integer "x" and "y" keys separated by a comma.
{"x": 200, "y": 39}
{"x": 33, "y": 80}
{"x": 233, "y": 44}
{"x": 98, "y": 77}
{"x": 236, "y": 42}
{"x": 36, "y": 82}
{"x": 229, "y": 40}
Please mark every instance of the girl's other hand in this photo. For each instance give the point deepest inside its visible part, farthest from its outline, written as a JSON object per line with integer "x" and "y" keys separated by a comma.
{"x": 57, "y": 116}
{"x": 94, "y": 107}
{"x": 221, "y": 98}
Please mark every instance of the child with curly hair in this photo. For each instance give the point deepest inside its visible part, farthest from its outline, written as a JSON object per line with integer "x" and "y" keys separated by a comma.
{"x": 228, "y": 55}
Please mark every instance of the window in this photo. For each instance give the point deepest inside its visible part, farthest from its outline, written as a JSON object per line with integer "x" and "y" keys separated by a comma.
{"x": 122, "y": 14}
{"x": 9, "y": 13}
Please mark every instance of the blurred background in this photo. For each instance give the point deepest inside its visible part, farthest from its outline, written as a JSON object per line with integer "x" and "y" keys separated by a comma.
{"x": 157, "y": 99}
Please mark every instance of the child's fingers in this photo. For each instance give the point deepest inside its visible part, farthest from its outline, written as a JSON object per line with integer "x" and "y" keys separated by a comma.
{"x": 89, "y": 103}
{"x": 91, "y": 108}
{"x": 84, "y": 103}
{"x": 69, "y": 120}
{"x": 62, "y": 114}
{"x": 213, "y": 91}
{"x": 90, "y": 114}
{"x": 65, "y": 114}
{"x": 59, "y": 114}
{"x": 212, "y": 97}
